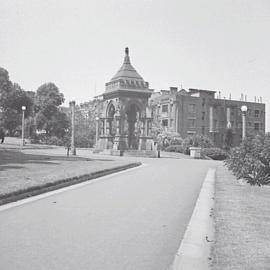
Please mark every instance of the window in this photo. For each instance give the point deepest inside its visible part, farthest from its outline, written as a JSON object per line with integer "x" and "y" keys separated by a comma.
{"x": 164, "y": 108}
{"x": 203, "y": 101}
{"x": 203, "y": 130}
{"x": 192, "y": 123}
{"x": 203, "y": 115}
{"x": 191, "y": 108}
{"x": 256, "y": 113}
{"x": 165, "y": 122}
{"x": 257, "y": 126}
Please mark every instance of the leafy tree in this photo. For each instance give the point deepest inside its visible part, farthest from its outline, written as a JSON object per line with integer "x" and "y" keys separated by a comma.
{"x": 17, "y": 98}
{"x": 11, "y": 120}
{"x": 59, "y": 124}
{"x": 48, "y": 95}
{"x": 48, "y": 116}
{"x": 85, "y": 124}
{"x": 5, "y": 86}
{"x": 13, "y": 97}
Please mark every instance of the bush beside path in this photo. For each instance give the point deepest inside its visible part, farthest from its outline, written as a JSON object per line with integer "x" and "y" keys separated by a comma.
{"x": 242, "y": 224}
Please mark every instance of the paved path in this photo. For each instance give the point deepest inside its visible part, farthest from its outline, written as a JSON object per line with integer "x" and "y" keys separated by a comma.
{"x": 131, "y": 220}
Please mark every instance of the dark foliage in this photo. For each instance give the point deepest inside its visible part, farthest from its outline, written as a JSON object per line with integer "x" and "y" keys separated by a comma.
{"x": 214, "y": 153}
{"x": 175, "y": 148}
{"x": 251, "y": 161}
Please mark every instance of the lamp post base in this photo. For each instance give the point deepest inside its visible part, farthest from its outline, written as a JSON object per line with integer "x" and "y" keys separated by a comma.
{"x": 73, "y": 151}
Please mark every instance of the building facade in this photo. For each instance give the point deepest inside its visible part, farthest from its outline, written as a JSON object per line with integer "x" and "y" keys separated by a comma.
{"x": 199, "y": 111}
{"x": 125, "y": 117}
{"x": 129, "y": 109}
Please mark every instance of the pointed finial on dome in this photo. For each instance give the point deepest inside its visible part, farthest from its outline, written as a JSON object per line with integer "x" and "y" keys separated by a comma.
{"x": 126, "y": 60}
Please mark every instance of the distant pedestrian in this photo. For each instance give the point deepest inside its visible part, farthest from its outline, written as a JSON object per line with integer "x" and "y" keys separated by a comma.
{"x": 2, "y": 135}
{"x": 68, "y": 149}
{"x": 157, "y": 148}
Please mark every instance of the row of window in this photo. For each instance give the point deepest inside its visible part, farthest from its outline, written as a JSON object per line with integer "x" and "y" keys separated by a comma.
{"x": 192, "y": 124}
{"x": 192, "y": 109}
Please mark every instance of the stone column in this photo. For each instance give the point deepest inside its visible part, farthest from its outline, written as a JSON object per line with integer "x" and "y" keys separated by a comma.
{"x": 102, "y": 126}
{"x": 117, "y": 138}
{"x": 176, "y": 119}
{"x": 105, "y": 126}
{"x": 211, "y": 119}
{"x": 109, "y": 126}
{"x": 97, "y": 130}
{"x": 228, "y": 117}
{"x": 149, "y": 127}
{"x": 143, "y": 127}
{"x": 244, "y": 125}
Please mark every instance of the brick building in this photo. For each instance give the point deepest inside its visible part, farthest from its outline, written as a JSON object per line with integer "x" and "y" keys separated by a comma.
{"x": 199, "y": 111}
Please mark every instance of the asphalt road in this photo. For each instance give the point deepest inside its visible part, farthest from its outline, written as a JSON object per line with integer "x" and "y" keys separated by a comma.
{"x": 130, "y": 220}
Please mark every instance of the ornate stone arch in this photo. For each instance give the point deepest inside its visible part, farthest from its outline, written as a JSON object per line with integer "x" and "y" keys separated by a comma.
{"x": 110, "y": 109}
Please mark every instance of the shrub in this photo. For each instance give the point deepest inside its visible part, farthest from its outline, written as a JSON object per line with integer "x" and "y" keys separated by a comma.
{"x": 175, "y": 148}
{"x": 251, "y": 161}
{"x": 214, "y": 153}
{"x": 198, "y": 141}
{"x": 53, "y": 140}
{"x": 166, "y": 139}
{"x": 84, "y": 140}
{"x": 38, "y": 138}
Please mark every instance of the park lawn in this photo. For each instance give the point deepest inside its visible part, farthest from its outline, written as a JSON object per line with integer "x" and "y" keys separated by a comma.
{"x": 242, "y": 224}
{"x": 22, "y": 170}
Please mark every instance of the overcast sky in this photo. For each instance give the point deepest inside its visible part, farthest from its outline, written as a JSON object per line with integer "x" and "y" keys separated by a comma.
{"x": 79, "y": 45}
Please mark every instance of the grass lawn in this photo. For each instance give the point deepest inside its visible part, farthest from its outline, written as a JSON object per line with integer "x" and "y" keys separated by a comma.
{"x": 242, "y": 224}
{"x": 20, "y": 170}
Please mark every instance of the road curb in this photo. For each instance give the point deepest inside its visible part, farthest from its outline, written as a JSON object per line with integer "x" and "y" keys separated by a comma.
{"x": 195, "y": 248}
{"x": 36, "y": 190}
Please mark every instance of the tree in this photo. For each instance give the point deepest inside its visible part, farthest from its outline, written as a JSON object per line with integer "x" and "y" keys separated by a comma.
{"x": 17, "y": 98}
{"x": 11, "y": 105}
{"x": 5, "y": 86}
{"x": 48, "y": 116}
{"x": 11, "y": 121}
{"x": 48, "y": 95}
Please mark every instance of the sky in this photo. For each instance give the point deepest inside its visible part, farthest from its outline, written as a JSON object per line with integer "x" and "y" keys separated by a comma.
{"x": 79, "y": 45}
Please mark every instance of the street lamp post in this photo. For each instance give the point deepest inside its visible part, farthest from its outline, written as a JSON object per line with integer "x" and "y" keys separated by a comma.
{"x": 244, "y": 112}
{"x": 72, "y": 106}
{"x": 23, "y": 110}
{"x": 97, "y": 122}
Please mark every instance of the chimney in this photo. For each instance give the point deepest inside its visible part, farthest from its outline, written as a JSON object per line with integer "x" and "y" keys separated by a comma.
{"x": 173, "y": 90}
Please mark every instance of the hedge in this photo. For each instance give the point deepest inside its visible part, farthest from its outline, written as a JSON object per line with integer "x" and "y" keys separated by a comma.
{"x": 251, "y": 161}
